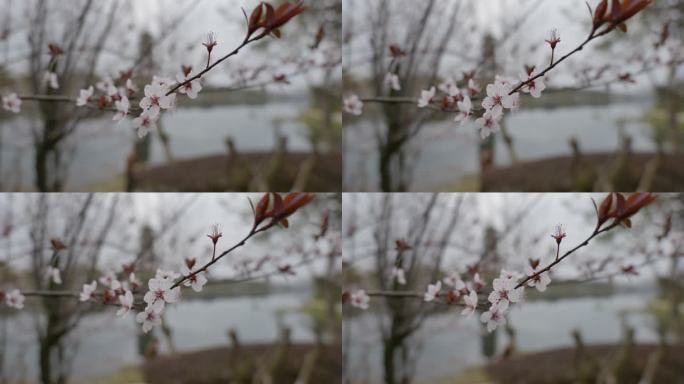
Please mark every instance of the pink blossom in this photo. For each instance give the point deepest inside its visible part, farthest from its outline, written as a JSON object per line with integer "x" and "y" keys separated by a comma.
{"x": 559, "y": 233}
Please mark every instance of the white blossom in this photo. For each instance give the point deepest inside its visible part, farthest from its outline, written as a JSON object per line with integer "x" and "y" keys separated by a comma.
{"x": 122, "y": 108}
{"x": 14, "y": 299}
{"x": 131, "y": 89}
{"x": 155, "y": 100}
{"x": 107, "y": 87}
{"x": 126, "y": 301}
{"x": 161, "y": 293}
{"x": 50, "y": 78}
{"x": 504, "y": 293}
{"x": 497, "y": 98}
{"x": 133, "y": 280}
{"x": 166, "y": 274}
{"x": 392, "y": 82}
{"x": 449, "y": 87}
{"x": 452, "y": 278}
{"x": 494, "y": 317}
{"x": 432, "y": 291}
{"x": 539, "y": 281}
{"x": 353, "y": 105}
{"x": 426, "y": 97}
{"x": 398, "y": 275}
{"x": 84, "y": 96}
{"x": 473, "y": 88}
{"x": 191, "y": 88}
{"x": 149, "y": 318}
{"x": 88, "y": 290}
{"x": 533, "y": 87}
{"x": 109, "y": 280}
{"x": 470, "y": 304}
{"x": 53, "y": 275}
{"x": 489, "y": 122}
{"x": 11, "y": 103}
{"x": 510, "y": 275}
{"x": 144, "y": 124}
{"x": 465, "y": 108}
{"x": 196, "y": 282}
{"x": 360, "y": 299}
{"x": 478, "y": 283}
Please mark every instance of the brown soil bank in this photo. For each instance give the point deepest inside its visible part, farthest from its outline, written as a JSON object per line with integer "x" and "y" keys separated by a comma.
{"x": 223, "y": 365}
{"x": 246, "y": 172}
{"x": 562, "y": 366}
{"x": 563, "y": 174}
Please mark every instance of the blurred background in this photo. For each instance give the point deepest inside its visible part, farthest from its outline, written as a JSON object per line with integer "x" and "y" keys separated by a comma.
{"x": 613, "y": 310}
{"x": 270, "y": 310}
{"x": 610, "y": 118}
{"x": 267, "y": 119}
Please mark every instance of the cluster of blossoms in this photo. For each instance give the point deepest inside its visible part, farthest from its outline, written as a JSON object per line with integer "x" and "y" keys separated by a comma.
{"x": 120, "y": 286}
{"x": 500, "y": 95}
{"x": 453, "y": 289}
{"x": 157, "y": 97}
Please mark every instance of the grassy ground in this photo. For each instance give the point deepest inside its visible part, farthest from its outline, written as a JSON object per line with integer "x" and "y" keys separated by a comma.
{"x": 130, "y": 375}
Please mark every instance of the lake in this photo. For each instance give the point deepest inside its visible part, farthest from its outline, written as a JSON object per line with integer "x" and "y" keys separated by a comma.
{"x": 450, "y": 343}
{"x": 100, "y": 146}
{"x": 448, "y": 151}
{"x": 105, "y": 343}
